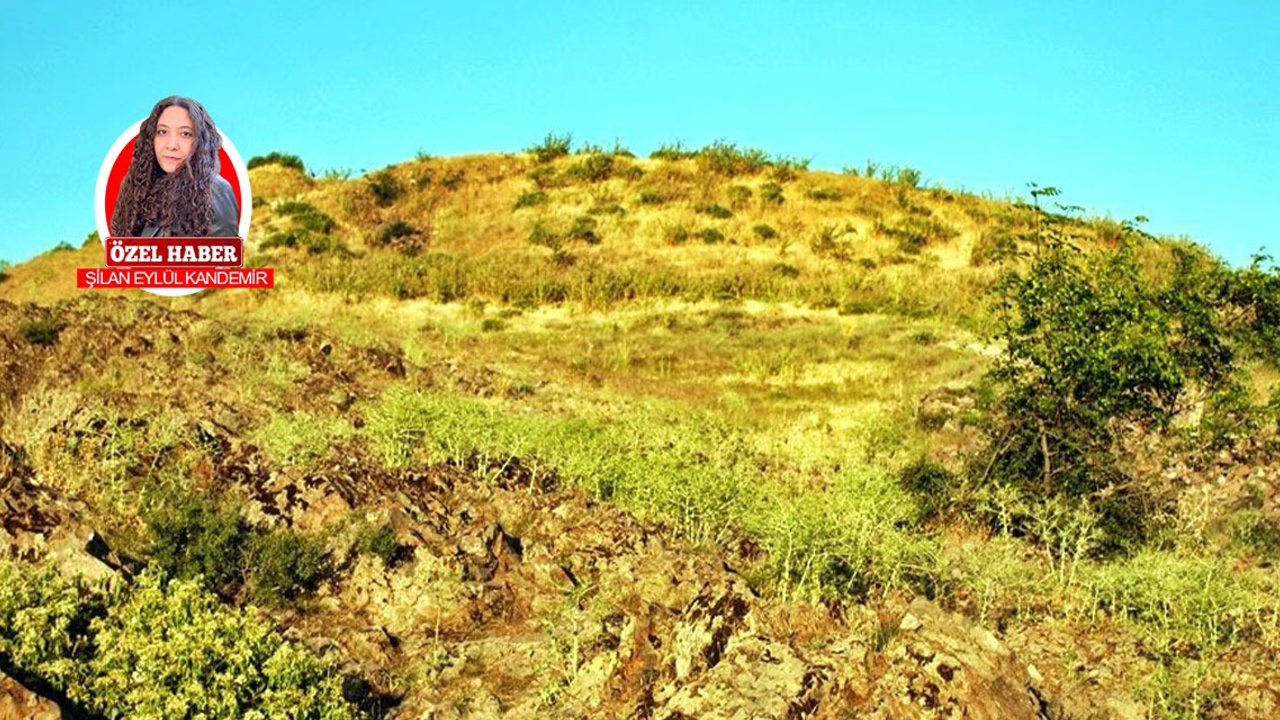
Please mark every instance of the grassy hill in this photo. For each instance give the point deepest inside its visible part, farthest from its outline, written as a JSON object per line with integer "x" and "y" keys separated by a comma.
{"x": 781, "y": 375}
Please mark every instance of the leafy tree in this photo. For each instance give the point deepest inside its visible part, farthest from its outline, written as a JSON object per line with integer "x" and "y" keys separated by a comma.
{"x": 1093, "y": 342}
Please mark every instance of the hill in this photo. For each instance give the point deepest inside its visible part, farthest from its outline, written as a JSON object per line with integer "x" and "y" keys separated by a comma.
{"x": 696, "y": 435}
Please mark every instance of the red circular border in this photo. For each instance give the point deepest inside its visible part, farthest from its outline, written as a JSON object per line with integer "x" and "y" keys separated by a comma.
{"x": 120, "y": 168}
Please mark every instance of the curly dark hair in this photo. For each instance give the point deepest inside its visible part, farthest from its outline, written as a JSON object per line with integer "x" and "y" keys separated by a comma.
{"x": 179, "y": 201}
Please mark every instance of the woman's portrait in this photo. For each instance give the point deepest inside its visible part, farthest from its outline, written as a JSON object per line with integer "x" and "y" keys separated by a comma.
{"x": 173, "y": 188}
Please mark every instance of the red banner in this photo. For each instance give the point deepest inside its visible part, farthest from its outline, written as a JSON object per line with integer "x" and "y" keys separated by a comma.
{"x": 170, "y": 277}
{"x": 169, "y": 252}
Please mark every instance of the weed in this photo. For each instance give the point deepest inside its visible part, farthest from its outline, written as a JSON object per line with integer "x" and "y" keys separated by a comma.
{"x": 672, "y": 151}
{"x": 299, "y": 438}
{"x": 552, "y": 146}
{"x": 652, "y": 197}
{"x": 739, "y": 196}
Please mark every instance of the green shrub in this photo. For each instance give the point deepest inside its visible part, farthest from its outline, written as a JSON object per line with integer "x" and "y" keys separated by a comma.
{"x": 43, "y": 331}
{"x": 391, "y": 233}
{"x": 652, "y": 197}
{"x": 771, "y": 193}
{"x": 154, "y": 649}
{"x": 1092, "y": 343}
{"x": 725, "y": 158}
{"x": 710, "y": 236}
{"x": 739, "y": 196}
{"x": 283, "y": 564}
{"x": 765, "y": 231}
{"x": 915, "y": 233}
{"x": 190, "y": 537}
{"x": 847, "y": 539}
{"x": 930, "y": 483}
{"x": 4, "y": 266}
{"x": 277, "y": 158}
{"x": 584, "y": 230}
{"x": 715, "y": 211}
{"x": 1174, "y": 600}
{"x": 786, "y": 169}
{"x": 533, "y": 198}
{"x": 385, "y": 188}
{"x": 552, "y": 146}
{"x": 675, "y": 234}
{"x": 824, "y": 194}
{"x": 592, "y": 168}
{"x": 307, "y": 227}
{"x": 378, "y": 541}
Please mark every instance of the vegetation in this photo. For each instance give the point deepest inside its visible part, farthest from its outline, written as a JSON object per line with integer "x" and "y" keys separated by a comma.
{"x": 277, "y": 158}
{"x": 158, "y": 648}
{"x": 856, "y": 388}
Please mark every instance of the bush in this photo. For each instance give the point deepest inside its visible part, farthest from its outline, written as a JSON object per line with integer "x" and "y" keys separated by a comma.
{"x": 771, "y": 193}
{"x": 710, "y": 236}
{"x": 159, "y": 649}
{"x": 593, "y": 168}
{"x": 824, "y": 194}
{"x": 739, "y": 196}
{"x": 532, "y": 198}
{"x": 44, "y": 331}
{"x": 277, "y": 158}
{"x": 307, "y": 227}
{"x": 652, "y": 197}
{"x": 675, "y": 234}
{"x": 396, "y": 231}
{"x": 786, "y": 169}
{"x": 385, "y": 187}
{"x": 1092, "y": 343}
{"x": 715, "y": 211}
{"x": 378, "y": 541}
{"x": 764, "y": 231}
{"x": 552, "y": 146}
{"x": 283, "y": 564}
{"x": 725, "y": 158}
{"x": 584, "y": 229}
{"x": 193, "y": 537}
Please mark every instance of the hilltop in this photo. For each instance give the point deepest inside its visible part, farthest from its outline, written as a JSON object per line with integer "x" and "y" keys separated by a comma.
{"x": 693, "y": 435}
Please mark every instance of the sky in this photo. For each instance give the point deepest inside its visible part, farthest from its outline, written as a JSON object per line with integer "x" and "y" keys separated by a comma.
{"x": 1167, "y": 110}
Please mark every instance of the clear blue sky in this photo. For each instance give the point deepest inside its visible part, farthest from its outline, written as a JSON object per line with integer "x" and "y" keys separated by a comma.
{"x": 1169, "y": 110}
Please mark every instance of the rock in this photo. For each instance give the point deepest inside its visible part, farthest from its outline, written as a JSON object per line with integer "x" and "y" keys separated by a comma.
{"x": 942, "y": 406}
{"x": 940, "y": 665}
{"x": 19, "y": 703}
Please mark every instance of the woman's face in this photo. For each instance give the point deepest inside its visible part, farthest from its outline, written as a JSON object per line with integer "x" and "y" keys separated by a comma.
{"x": 175, "y": 137}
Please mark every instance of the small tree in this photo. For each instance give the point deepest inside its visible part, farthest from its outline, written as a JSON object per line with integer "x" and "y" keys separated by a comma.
{"x": 1091, "y": 342}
